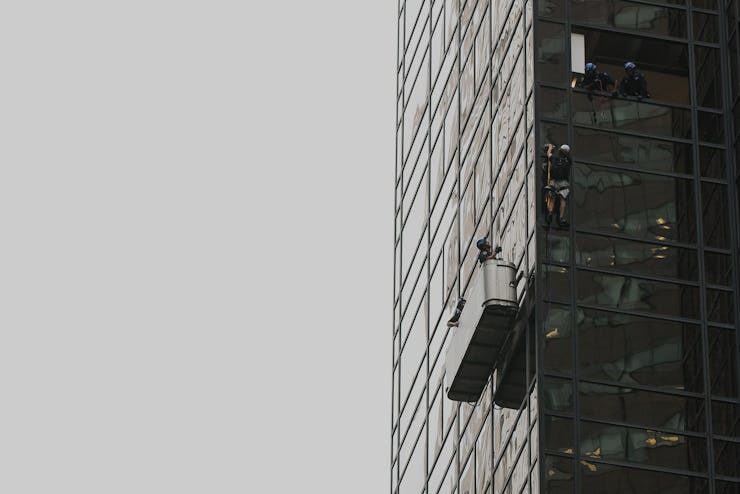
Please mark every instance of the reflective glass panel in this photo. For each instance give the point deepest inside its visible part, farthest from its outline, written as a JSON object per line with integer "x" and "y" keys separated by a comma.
{"x": 646, "y": 446}
{"x": 644, "y": 408}
{"x": 643, "y": 153}
{"x": 557, "y": 282}
{"x": 715, "y": 210}
{"x": 712, "y": 162}
{"x": 726, "y": 418}
{"x": 559, "y": 475}
{"x": 556, "y": 331}
{"x": 551, "y": 9}
{"x": 705, "y": 27}
{"x": 727, "y": 458}
{"x": 557, "y": 394}
{"x": 553, "y": 103}
{"x": 630, "y": 349}
{"x": 711, "y": 127}
{"x": 630, "y": 115}
{"x": 722, "y": 487}
{"x": 636, "y": 257}
{"x": 708, "y": 77}
{"x": 723, "y": 362}
{"x": 720, "y": 306}
{"x": 640, "y": 205}
{"x": 559, "y": 434}
{"x": 551, "y": 57}
{"x": 628, "y": 293}
{"x": 630, "y": 16}
{"x": 612, "y": 479}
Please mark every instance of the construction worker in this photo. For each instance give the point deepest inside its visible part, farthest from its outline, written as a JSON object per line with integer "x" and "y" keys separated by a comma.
{"x": 455, "y": 319}
{"x": 557, "y": 171}
{"x": 485, "y": 252}
{"x": 593, "y": 80}
{"x": 633, "y": 83}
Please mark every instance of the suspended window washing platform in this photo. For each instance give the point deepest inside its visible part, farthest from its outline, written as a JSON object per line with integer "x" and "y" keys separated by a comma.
{"x": 484, "y": 326}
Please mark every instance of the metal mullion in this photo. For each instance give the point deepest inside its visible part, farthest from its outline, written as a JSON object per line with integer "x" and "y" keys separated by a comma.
{"x": 650, "y": 101}
{"x": 649, "y": 315}
{"x": 626, "y": 133}
{"x": 662, "y": 430}
{"x": 639, "y": 276}
{"x": 622, "y": 236}
{"x": 615, "y": 30}
{"x": 429, "y": 250}
{"x": 650, "y": 468}
{"x": 413, "y": 29}
{"x": 400, "y": 129}
{"x": 627, "y": 168}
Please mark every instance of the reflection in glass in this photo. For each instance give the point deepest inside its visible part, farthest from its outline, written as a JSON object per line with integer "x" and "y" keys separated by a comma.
{"x": 723, "y": 362}
{"x": 715, "y": 208}
{"x": 556, "y": 332}
{"x": 557, "y": 282}
{"x": 552, "y": 103}
{"x": 643, "y": 153}
{"x": 711, "y": 127}
{"x": 612, "y": 479}
{"x": 557, "y": 394}
{"x": 705, "y": 27}
{"x": 559, "y": 434}
{"x": 646, "y": 446}
{"x": 551, "y": 56}
{"x": 720, "y": 306}
{"x": 559, "y": 475}
{"x": 640, "y": 350}
{"x": 628, "y": 293}
{"x": 630, "y": 16}
{"x": 712, "y": 162}
{"x": 636, "y": 257}
{"x": 630, "y": 115}
{"x": 631, "y": 203}
{"x": 708, "y": 77}
{"x": 644, "y": 408}
{"x": 727, "y": 458}
{"x": 726, "y": 419}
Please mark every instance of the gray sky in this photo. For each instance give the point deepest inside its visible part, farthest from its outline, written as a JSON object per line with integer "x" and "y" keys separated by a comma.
{"x": 196, "y": 257}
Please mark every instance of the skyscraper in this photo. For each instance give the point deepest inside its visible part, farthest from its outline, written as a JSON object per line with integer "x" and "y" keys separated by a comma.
{"x": 620, "y": 373}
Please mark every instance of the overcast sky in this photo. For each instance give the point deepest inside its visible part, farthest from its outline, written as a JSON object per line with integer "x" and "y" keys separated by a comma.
{"x": 196, "y": 206}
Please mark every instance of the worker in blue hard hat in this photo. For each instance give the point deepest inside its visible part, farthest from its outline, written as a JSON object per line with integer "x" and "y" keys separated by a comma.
{"x": 485, "y": 251}
{"x": 455, "y": 319}
{"x": 633, "y": 83}
{"x": 593, "y": 80}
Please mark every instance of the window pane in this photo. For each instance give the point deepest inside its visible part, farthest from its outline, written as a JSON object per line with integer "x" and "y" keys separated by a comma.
{"x": 715, "y": 207}
{"x": 720, "y": 306}
{"x": 649, "y": 447}
{"x": 645, "y": 408}
{"x": 558, "y": 394}
{"x": 712, "y": 162}
{"x": 722, "y": 362}
{"x": 559, "y": 434}
{"x": 630, "y": 115}
{"x": 552, "y": 103}
{"x": 705, "y": 27}
{"x": 641, "y": 350}
{"x": 718, "y": 268}
{"x": 559, "y": 475}
{"x": 711, "y": 127}
{"x": 726, "y": 419}
{"x": 630, "y": 16}
{"x": 551, "y": 56}
{"x": 556, "y": 332}
{"x": 636, "y": 257}
{"x": 628, "y": 293}
{"x": 637, "y": 204}
{"x": 709, "y": 78}
{"x": 611, "y": 479}
{"x": 727, "y": 458}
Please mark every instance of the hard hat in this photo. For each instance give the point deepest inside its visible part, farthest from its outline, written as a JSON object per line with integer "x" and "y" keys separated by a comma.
{"x": 590, "y": 67}
{"x": 629, "y": 66}
{"x": 481, "y": 242}
{"x": 565, "y": 148}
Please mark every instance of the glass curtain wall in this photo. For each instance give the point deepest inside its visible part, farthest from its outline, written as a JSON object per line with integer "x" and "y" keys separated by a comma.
{"x": 637, "y": 339}
{"x": 464, "y": 169}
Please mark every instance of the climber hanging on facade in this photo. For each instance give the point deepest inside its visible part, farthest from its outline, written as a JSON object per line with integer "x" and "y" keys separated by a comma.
{"x": 556, "y": 173}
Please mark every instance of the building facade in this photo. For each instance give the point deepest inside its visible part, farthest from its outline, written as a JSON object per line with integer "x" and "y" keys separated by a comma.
{"x": 621, "y": 375}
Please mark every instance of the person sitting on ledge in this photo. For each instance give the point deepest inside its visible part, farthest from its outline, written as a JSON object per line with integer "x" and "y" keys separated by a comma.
{"x": 633, "y": 83}
{"x": 592, "y": 80}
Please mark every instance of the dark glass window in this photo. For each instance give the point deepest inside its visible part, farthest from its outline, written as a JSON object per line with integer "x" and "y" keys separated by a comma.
{"x": 715, "y": 208}
{"x": 640, "y": 152}
{"x": 628, "y": 293}
{"x": 557, "y": 282}
{"x": 720, "y": 306}
{"x": 559, "y": 434}
{"x": 558, "y": 344}
{"x": 704, "y": 4}
{"x": 631, "y": 349}
{"x": 630, "y": 16}
{"x": 553, "y": 133}
{"x": 727, "y": 458}
{"x": 557, "y": 248}
{"x": 711, "y": 127}
{"x": 712, "y": 162}
{"x": 630, "y": 115}
{"x": 551, "y": 58}
{"x": 636, "y": 257}
{"x": 649, "y": 447}
{"x": 640, "y": 205}
{"x": 552, "y": 103}
{"x": 721, "y": 487}
{"x": 723, "y": 362}
{"x": 726, "y": 419}
{"x": 557, "y": 394}
{"x": 718, "y": 268}
{"x": 705, "y": 27}
{"x": 708, "y": 77}
{"x": 551, "y": 9}
{"x": 559, "y": 475}
{"x": 611, "y": 479}
{"x": 643, "y": 408}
